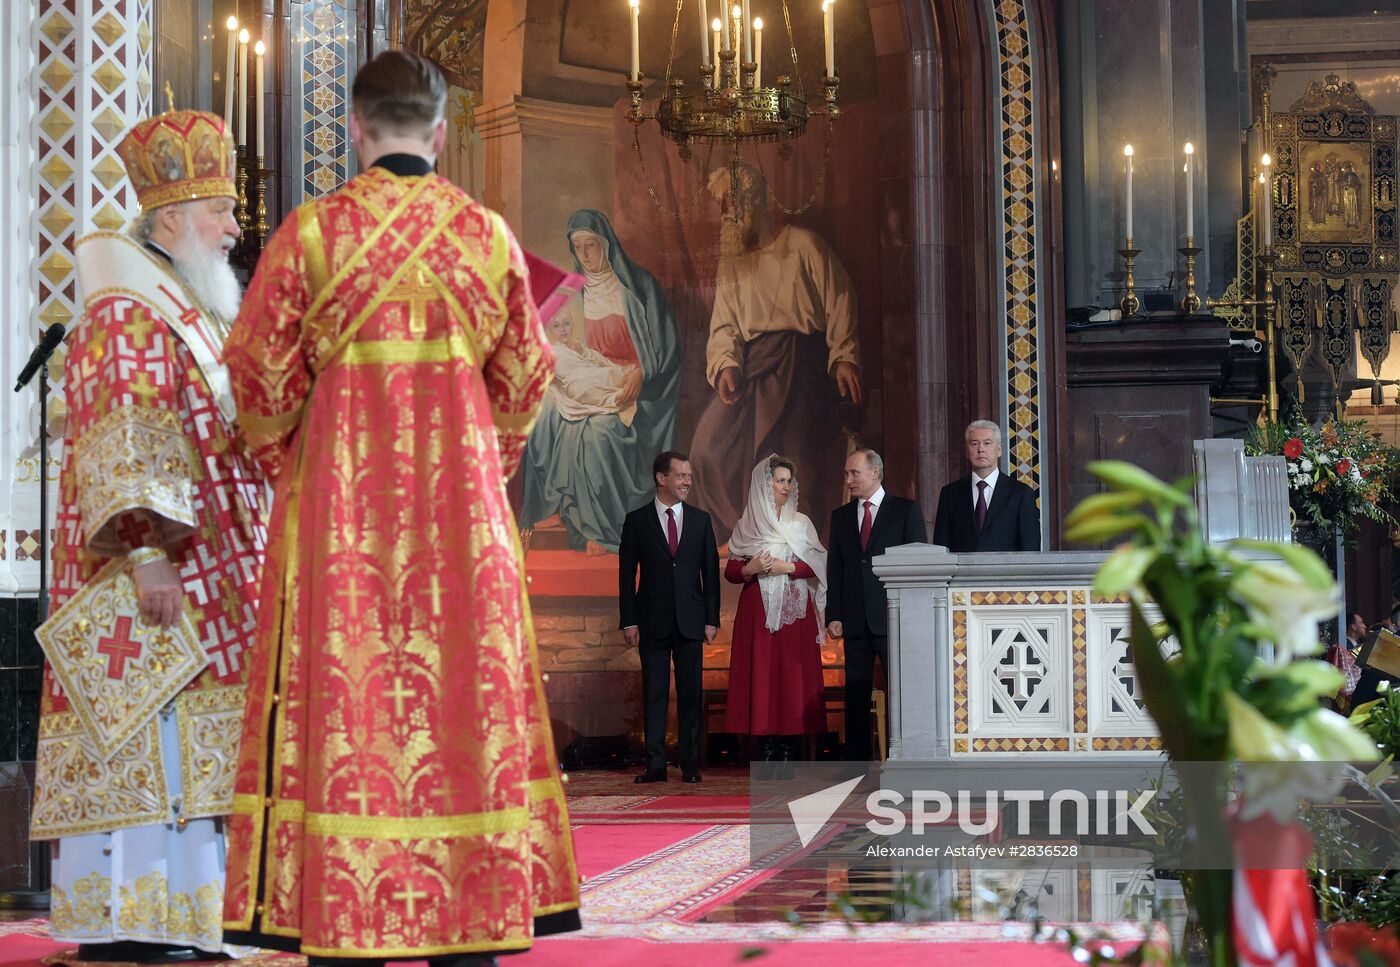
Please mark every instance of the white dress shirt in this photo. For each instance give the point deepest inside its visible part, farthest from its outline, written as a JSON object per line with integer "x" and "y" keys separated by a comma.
{"x": 875, "y": 500}
{"x": 990, "y": 480}
{"x": 661, "y": 509}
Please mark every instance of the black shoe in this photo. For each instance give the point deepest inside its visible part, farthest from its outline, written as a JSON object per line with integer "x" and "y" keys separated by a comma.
{"x": 652, "y": 775}
{"x": 768, "y": 748}
{"x": 463, "y": 960}
{"x": 690, "y": 777}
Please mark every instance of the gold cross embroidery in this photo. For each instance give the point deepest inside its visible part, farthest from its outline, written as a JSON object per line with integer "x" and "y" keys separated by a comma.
{"x": 353, "y": 592}
{"x": 419, "y": 294}
{"x": 495, "y": 888}
{"x": 443, "y": 793}
{"x": 410, "y": 897}
{"x": 139, "y": 326}
{"x": 141, "y": 386}
{"x": 435, "y": 591}
{"x": 362, "y": 796}
{"x": 398, "y": 693}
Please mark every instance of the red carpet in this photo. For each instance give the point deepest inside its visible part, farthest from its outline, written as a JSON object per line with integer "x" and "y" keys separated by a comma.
{"x": 604, "y": 847}
{"x": 630, "y": 953}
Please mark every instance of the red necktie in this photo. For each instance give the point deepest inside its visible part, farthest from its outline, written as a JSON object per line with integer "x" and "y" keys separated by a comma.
{"x": 981, "y": 503}
{"x": 865, "y": 526}
{"x": 672, "y": 538}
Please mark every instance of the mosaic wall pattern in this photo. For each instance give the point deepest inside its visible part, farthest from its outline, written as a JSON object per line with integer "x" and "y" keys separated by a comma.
{"x": 1015, "y": 70}
{"x": 326, "y": 31}
{"x": 94, "y": 83}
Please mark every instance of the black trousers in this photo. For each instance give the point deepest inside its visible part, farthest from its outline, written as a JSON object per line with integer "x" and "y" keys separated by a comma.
{"x": 657, "y": 656}
{"x": 860, "y": 681}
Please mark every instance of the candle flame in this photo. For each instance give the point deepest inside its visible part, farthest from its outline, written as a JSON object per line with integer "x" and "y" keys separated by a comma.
{"x": 243, "y": 36}
{"x": 757, "y": 23}
{"x": 259, "y": 48}
{"x": 1266, "y": 160}
{"x": 232, "y": 23}
{"x": 1190, "y": 148}
{"x": 635, "y": 3}
{"x": 736, "y": 12}
{"x": 716, "y": 26}
{"x": 1127, "y": 150}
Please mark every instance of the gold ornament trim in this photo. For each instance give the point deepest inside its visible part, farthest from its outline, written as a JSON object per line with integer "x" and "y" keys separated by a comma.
{"x": 211, "y": 725}
{"x": 134, "y": 458}
{"x": 75, "y": 792}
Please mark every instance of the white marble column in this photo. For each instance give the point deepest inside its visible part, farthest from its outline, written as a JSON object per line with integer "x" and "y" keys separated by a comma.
{"x": 77, "y": 76}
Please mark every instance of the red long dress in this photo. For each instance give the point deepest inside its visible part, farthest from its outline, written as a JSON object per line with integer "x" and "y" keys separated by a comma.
{"x": 775, "y": 677}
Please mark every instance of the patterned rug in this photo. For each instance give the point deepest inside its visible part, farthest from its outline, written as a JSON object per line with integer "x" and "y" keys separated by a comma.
{"x": 627, "y": 810}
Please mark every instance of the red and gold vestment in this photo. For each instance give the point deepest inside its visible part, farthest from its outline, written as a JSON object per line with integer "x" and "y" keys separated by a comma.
{"x": 397, "y": 789}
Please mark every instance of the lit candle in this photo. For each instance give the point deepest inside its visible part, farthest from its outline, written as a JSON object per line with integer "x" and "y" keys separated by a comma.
{"x": 259, "y": 49}
{"x": 243, "y": 88}
{"x": 716, "y": 27}
{"x": 1266, "y": 179}
{"x": 724, "y": 25}
{"x": 636, "y": 45}
{"x": 228, "y": 74}
{"x": 705, "y": 32}
{"x": 1190, "y": 193}
{"x": 829, "y": 30}
{"x": 757, "y": 52}
{"x": 745, "y": 19}
{"x": 1128, "y": 183}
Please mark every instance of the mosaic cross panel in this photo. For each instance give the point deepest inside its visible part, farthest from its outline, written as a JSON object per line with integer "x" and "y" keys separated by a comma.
{"x": 1016, "y": 96}
{"x": 326, "y": 32}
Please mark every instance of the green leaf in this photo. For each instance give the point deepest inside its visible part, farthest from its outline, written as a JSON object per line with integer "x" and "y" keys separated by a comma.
{"x": 1123, "y": 570}
{"x": 1333, "y": 739}
{"x": 1253, "y": 737}
{"x": 1098, "y": 529}
{"x": 1162, "y": 693}
{"x": 1110, "y": 503}
{"x": 1301, "y": 559}
{"x": 1128, "y": 477}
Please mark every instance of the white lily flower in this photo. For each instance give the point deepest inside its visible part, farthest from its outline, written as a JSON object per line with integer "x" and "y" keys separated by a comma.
{"x": 1288, "y": 607}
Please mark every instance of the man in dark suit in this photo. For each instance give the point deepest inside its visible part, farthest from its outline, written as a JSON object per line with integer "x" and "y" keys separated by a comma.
{"x": 673, "y": 609}
{"x": 987, "y": 510}
{"x": 861, "y": 530}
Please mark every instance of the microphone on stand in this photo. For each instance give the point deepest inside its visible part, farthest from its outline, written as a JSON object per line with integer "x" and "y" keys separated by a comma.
{"x": 47, "y": 344}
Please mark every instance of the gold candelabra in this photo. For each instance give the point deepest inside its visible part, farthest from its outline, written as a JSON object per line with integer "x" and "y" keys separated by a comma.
{"x": 1267, "y": 305}
{"x": 1190, "y": 302}
{"x": 1130, "y": 304}
{"x": 244, "y": 219}
{"x": 260, "y": 177}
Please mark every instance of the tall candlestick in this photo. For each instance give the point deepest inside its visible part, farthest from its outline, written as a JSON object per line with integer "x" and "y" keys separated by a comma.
{"x": 1128, "y": 186}
{"x": 1266, "y": 179}
{"x": 636, "y": 45}
{"x": 243, "y": 88}
{"x": 757, "y": 52}
{"x": 705, "y": 32}
{"x": 228, "y": 73}
{"x": 716, "y": 27}
{"x": 829, "y": 31}
{"x": 746, "y": 20}
{"x": 259, "y": 49}
{"x": 1190, "y": 192}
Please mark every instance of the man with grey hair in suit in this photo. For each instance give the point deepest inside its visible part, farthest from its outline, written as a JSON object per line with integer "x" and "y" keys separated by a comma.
{"x": 861, "y": 530}
{"x": 987, "y": 510}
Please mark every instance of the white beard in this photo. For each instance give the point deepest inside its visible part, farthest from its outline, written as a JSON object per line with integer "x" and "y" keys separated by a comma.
{"x": 209, "y": 275}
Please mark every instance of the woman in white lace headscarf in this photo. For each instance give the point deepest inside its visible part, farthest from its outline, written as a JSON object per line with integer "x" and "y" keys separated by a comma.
{"x": 775, "y": 668}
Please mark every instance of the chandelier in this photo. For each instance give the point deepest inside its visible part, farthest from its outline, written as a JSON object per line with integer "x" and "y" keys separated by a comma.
{"x": 730, "y": 103}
